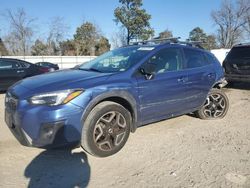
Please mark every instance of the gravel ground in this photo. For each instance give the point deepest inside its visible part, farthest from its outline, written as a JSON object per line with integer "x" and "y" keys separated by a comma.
{"x": 180, "y": 152}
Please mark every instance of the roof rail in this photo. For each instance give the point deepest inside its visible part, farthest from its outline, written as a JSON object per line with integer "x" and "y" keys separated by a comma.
{"x": 157, "y": 40}
{"x": 196, "y": 44}
{"x": 243, "y": 44}
{"x": 174, "y": 40}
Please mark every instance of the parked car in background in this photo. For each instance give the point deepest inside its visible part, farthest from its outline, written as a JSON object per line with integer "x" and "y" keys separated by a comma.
{"x": 237, "y": 64}
{"x": 97, "y": 104}
{"x": 51, "y": 66}
{"x": 13, "y": 70}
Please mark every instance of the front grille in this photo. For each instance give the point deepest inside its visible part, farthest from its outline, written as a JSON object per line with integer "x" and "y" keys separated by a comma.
{"x": 11, "y": 101}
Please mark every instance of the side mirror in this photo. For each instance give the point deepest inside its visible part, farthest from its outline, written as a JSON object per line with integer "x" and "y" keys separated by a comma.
{"x": 148, "y": 70}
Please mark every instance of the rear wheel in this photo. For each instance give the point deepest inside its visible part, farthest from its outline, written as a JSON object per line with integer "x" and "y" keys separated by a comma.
{"x": 106, "y": 129}
{"x": 216, "y": 105}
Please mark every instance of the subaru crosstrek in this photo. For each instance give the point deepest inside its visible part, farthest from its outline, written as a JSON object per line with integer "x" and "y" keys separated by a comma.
{"x": 97, "y": 104}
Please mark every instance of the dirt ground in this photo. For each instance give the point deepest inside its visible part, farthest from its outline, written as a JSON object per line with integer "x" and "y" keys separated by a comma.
{"x": 180, "y": 152}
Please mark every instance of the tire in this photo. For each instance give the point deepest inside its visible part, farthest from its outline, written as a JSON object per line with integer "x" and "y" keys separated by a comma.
{"x": 106, "y": 129}
{"x": 215, "y": 107}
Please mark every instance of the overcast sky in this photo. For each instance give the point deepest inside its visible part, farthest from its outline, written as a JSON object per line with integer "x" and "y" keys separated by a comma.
{"x": 179, "y": 16}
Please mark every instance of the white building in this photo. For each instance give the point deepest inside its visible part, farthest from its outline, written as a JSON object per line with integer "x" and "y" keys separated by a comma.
{"x": 220, "y": 53}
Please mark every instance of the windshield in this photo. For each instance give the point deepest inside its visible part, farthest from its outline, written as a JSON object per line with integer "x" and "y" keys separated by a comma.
{"x": 118, "y": 60}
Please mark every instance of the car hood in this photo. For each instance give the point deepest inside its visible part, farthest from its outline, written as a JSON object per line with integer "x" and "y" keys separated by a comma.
{"x": 60, "y": 80}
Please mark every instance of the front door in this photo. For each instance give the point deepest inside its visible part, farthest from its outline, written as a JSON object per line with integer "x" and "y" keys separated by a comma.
{"x": 163, "y": 95}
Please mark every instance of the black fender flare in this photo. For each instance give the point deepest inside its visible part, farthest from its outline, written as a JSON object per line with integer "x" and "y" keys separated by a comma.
{"x": 114, "y": 94}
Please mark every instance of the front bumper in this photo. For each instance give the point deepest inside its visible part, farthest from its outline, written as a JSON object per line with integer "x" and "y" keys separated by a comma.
{"x": 43, "y": 126}
{"x": 237, "y": 77}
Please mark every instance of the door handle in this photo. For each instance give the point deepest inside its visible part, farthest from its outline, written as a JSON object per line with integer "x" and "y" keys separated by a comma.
{"x": 20, "y": 71}
{"x": 211, "y": 75}
{"x": 182, "y": 79}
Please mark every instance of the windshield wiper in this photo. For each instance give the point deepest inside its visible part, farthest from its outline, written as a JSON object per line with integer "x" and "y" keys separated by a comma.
{"x": 90, "y": 69}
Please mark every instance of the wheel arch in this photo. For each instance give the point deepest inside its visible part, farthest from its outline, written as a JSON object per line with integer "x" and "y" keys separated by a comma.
{"x": 220, "y": 83}
{"x": 121, "y": 97}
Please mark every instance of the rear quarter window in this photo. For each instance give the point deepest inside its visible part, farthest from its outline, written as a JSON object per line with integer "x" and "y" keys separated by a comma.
{"x": 24, "y": 64}
{"x": 239, "y": 53}
{"x": 211, "y": 58}
{"x": 194, "y": 58}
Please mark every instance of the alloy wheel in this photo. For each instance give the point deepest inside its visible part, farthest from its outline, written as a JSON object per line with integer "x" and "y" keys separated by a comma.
{"x": 215, "y": 106}
{"x": 109, "y": 131}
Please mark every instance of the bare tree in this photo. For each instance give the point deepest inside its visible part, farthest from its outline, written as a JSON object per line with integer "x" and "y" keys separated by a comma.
{"x": 3, "y": 50}
{"x": 247, "y": 26}
{"x": 21, "y": 31}
{"x": 57, "y": 32}
{"x": 230, "y": 20}
{"x": 119, "y": 39}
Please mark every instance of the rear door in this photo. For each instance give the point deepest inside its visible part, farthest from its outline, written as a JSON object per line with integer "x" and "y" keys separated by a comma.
{"x": 201, "y": 77}
{"x": 164, "y": 94}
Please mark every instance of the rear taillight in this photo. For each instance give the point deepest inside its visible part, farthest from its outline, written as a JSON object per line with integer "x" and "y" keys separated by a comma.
{"x": 44, "y": 69}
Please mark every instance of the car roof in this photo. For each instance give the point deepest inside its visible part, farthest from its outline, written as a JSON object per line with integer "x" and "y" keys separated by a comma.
{"x": 242, "y": 45}
{"x": 13, "y": 59}
{"x": 45, "y": 62}
{"x": 168, "y": 44}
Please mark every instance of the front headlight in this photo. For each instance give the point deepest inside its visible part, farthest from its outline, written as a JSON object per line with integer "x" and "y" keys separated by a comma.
{"x": 55, "y": 98}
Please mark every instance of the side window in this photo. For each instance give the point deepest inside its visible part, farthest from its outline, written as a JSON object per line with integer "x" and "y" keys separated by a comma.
{"x": 5, "y": 65}
{"x": 209, "y": 58}
{"x": 24, "y": 64}
{"x": 194, "y": 58}
{"x": 212, "y": 59}
{"x": 169, "y": 59}
{"x": 16, "y": 65}
{"x": 215, "y": 59}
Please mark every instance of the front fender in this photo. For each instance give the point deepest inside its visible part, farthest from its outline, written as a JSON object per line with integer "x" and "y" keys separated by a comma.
{"x": 96, "y": 98}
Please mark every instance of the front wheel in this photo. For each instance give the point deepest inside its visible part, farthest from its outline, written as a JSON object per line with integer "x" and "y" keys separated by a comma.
{"x": 215, "y": 107}
{"x": 106, "y": 129}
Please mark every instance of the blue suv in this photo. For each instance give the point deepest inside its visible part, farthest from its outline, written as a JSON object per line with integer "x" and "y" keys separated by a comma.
{"x": 97, "y": 104}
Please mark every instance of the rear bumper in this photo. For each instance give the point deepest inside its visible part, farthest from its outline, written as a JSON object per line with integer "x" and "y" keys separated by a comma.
{"x": 237, "y": 77}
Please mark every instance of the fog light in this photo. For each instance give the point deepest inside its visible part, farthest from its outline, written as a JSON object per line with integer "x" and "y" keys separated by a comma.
{"x": 49, "y": 130}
